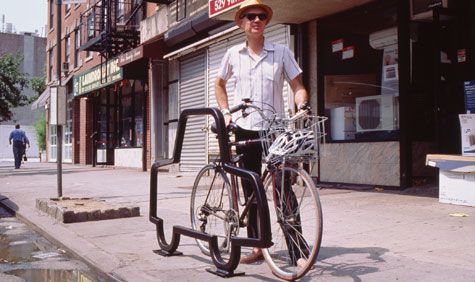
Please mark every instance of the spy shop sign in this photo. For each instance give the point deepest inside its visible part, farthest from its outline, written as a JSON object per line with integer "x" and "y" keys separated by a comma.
{"x": 217, "y": 7}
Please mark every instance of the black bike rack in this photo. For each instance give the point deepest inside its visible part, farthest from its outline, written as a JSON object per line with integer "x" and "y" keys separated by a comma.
{"x": 264, "y": 236}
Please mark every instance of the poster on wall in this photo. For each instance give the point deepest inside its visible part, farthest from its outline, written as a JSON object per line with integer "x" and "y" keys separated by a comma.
{"x": 469, "y": 90}
{"x": 390, "y": 76}
{"x": 461, "y": 55}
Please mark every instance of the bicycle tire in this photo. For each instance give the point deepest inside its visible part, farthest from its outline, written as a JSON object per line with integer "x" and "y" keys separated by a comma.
{"x": 297, "y": 234}
{"x": 211, "y": 208}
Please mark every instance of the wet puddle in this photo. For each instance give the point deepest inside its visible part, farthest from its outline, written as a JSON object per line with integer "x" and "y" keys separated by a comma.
{"x": 26, "y": 256}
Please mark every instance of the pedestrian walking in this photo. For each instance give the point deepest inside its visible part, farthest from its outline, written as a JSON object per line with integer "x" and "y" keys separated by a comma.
{"x": 260, "y": 68}
{"x": 20, "y": 143}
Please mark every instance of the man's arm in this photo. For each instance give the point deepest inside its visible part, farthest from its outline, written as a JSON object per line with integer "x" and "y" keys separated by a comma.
{"x": 222, "y": 99}
{"x": 10, "y": 138}
{"x": 300, "y": 94}
{"x": 221, "y": 94}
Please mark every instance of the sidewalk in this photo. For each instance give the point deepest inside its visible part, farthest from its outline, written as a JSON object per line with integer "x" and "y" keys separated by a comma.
{"x": 368, "y": 236}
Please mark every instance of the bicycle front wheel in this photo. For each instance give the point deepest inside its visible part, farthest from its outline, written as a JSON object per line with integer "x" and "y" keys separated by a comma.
{"x": 211, "y": 208}
{"x": 296, "y": 222}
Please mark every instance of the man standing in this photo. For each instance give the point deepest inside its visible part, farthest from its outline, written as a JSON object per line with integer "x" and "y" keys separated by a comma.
{"x": 260, "y": 68}
{"x": 20, "y": 143}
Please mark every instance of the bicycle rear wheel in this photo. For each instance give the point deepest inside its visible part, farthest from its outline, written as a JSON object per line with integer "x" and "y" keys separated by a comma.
{"x": 211, "y": 208}
{"x": 296, "y": 222}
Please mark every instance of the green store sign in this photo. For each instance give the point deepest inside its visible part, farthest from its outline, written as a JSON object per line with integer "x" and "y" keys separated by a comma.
{"x": 97, "y": 78}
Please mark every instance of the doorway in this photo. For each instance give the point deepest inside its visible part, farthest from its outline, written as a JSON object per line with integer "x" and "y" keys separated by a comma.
{"x": 438, "y": 72}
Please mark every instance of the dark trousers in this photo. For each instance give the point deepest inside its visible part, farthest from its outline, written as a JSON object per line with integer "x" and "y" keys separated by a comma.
{"x": 17, "y": 152}
{"x": 252, "y": 160}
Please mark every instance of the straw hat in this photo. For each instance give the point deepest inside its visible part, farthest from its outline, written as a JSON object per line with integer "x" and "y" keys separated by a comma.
{"x": 252, "y": 4}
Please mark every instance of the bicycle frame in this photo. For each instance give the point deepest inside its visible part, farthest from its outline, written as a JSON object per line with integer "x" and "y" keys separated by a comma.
{"x": 264, "y": 236}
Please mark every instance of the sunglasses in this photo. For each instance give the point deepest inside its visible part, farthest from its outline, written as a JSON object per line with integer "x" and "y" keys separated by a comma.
{"x": 251, "y": 16}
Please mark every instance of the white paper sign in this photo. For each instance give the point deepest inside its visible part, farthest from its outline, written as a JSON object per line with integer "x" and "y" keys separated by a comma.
{"x": 53, "y": 106}
{"x": 337, "y": 45}
{"x": 467, "y": 126}
{"x": 348, "y": 52}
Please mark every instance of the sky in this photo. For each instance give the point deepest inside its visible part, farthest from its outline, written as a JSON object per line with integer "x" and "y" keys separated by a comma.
{"x": 25, "y": 15}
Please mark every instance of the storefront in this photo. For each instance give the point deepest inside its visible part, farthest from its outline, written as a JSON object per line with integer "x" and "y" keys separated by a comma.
{"x": 359, "y": 78}
{"x": 111, "y": 116}
{"x": 390, "y": 77}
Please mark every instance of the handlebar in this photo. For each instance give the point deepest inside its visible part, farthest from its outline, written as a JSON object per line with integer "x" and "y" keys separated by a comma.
{"x": 248, "y": 103}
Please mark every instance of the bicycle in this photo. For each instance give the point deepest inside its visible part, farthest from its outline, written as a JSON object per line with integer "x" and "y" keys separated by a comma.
{"x": 296, "y": 220}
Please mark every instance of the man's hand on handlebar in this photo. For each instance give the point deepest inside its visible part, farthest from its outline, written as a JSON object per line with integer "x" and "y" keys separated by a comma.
{"x": 227, "y": 120}
{"x": 304, "y": 108}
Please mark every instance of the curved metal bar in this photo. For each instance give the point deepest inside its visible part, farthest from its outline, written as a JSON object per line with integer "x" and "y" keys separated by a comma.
{"x": 264, "y": 237}
{"x": 223, "y": 138}
{"x": 264, "y": 234}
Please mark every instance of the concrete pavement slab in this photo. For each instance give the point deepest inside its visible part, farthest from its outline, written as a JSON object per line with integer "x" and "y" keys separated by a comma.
{"x": 368, "y": 236}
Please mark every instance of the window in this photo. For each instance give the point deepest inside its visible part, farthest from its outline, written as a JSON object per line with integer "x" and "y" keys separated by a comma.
{"x": 120, "y": 11}
{"x": 77, "y": 44}
{"x": 67, "y": 9}
{"x": 52, "y": 143}
{"x": 50, "y": 64}
{"x": 359, "y": 59}
{"x": 68, "y": 133}
{"x": 131, "y": 115}
{"x": 180, "y": 9}
{"x": 126, "y": 138}
{"x": 138, "y": 122}
{"x": 67, "y": 50}
{"x": 51, "y": 14}
{"x": 90, "y": 26}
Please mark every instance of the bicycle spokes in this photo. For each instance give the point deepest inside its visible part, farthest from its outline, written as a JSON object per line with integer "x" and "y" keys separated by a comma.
{"x": 295, "y": 224}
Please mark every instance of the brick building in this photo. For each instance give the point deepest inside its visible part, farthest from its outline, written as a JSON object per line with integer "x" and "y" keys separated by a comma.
{"x": 106, "y": 106}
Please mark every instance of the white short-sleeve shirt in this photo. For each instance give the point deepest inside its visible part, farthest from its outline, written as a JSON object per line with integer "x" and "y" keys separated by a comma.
{"x": 261, "y": 80}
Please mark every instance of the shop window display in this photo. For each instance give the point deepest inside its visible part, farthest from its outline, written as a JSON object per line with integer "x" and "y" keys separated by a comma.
{"x": 131, "y": 115}
{"x": 360, "y": 81}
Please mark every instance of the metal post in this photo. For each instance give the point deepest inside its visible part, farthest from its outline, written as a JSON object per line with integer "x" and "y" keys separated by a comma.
{"x": 59, "y": 126}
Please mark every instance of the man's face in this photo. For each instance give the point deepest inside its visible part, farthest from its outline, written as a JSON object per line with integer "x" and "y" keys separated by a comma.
{"x": 253, "y": 22}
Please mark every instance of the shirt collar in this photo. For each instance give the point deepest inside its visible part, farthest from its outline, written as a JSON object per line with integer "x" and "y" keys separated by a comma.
{"x": 268, "y": 46}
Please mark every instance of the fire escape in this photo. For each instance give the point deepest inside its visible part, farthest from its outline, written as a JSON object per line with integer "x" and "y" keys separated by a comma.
{"x": 111, "y": 27}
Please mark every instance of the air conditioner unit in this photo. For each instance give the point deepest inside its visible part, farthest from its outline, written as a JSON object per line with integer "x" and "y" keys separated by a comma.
{"x": 422, "y": 9}
{"x": 65, "y": 67}
{"x": 383, "y": 38}
{"x": 377, "y": 113}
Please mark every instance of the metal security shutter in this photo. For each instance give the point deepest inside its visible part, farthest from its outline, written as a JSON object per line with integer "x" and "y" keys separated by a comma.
{"x": 192, "y": 95}
{"x": 215, "y": 55}
{"x": 277, "y": 34}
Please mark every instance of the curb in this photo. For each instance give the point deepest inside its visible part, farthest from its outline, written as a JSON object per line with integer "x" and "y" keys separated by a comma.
{"x": 108, "y": 276}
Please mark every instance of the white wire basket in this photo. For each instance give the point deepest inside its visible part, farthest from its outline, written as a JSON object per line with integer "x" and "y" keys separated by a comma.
{"x": 294, "y": 140}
